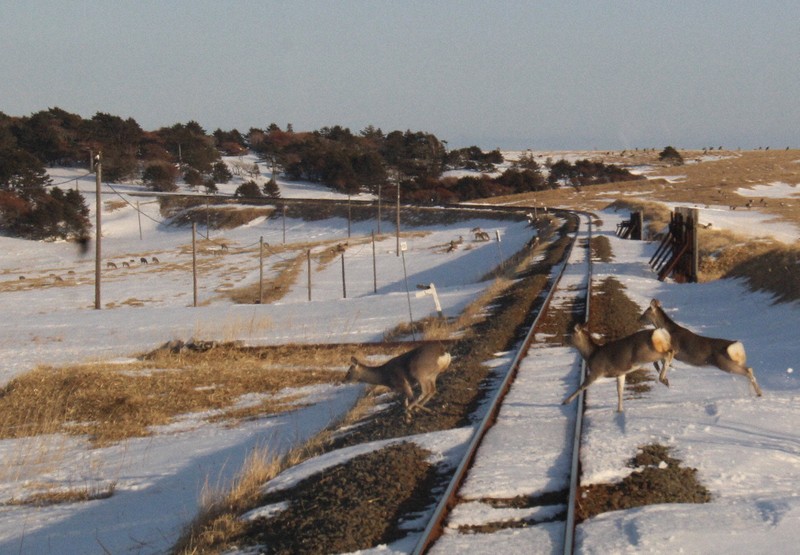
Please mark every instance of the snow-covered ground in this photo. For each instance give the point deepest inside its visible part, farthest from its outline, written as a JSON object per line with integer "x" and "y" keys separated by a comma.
{"x": 47, "y": 291}
{"x": 747, "y": 449}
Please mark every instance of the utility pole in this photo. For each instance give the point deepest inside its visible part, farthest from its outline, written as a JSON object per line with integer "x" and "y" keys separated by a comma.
{"x": 379, "y": 208}
{"x": 261, "y": 270}
{"x": 398, "y": 218}
{"x": 139, "y": 214}
{"x": 98, "y": 231}
{"x": 194, "y": 264}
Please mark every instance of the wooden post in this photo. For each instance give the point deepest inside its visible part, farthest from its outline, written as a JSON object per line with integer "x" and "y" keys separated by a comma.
{"x": 695, "y": 265}
{"x": 374, "y": 267}
{"x": 139, "y": 214}
{"x": 398, "y": 218}
{"x": 308, "y": 256}
{"x": 408, "y": 294}
{"x": 284, "y": 224}
{"x": 208, "y": 220}
{"x": 98, "y": 232}
{"x": 344, "y": 281}
{"x": 499, "y": 248}
{"x": 637, "y": 225}
{"x": 194, "y": 263}
{"x": 261, "y": 270}
{"x": 379, "y": 208}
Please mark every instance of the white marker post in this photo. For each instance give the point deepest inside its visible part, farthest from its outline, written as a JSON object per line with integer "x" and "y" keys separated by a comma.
{"x": 430, "y": 290}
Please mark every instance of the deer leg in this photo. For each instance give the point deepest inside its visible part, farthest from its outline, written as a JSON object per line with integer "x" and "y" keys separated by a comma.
{"x": 590, "y": 379}
{"x": 724, "y": 363}
{"x": 665, "y": 364}
{"x": 409, "y": 396}
{"x": 620, "y": 390}
{"x": 753, "y": 381}
{"x": 428, "y": 389}
{"x": 431, "y": 391}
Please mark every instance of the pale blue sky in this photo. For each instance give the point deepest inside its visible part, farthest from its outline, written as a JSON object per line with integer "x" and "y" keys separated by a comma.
{"x": 537, "y": 74}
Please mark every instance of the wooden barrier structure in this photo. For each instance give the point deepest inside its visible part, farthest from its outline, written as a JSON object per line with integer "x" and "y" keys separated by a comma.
{"x": 632, "y": 228}
{"x": 677, "y": 254}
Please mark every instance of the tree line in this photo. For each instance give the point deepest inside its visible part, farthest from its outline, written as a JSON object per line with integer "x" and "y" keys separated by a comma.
{"x": 347, "y": 162}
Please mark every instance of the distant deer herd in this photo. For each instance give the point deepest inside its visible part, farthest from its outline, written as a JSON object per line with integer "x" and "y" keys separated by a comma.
{"x": 127, "y": 264}
{"x": 422, "y": 365}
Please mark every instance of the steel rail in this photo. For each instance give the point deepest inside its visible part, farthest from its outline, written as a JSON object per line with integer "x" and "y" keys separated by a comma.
{"x": 447, "y": 501}
{"x": 574, "y": 474}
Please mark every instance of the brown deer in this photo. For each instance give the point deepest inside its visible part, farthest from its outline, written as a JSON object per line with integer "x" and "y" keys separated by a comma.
{"x": 617, "y": 358}
{"x": 698, "y": 350}
{"x": 422, "y": 365}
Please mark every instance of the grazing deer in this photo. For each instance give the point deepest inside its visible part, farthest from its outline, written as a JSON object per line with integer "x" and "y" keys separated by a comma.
{"x": 110, "y": 265}
{"x": 480, "y": 235}
{"x": 698, "y": 350}
{"x": 143, "y": 260}
{"x": 422, "y": 365}
{"x": 617, "y": 358}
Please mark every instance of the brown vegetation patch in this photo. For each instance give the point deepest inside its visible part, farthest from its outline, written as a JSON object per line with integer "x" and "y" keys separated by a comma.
{"x": 113, "y": 402}
{"x": 185, "y": 211}
{"x": 273, "y": 289}
{"x": 350, "y": 506}
{"x": 60, "y": 497}
{"x": 612, "y": 313}
{"x": 765, "y": 265}
{"x": 776, "y": 271}
{"x": 601, "y": 249}
{"x": 659, "y": 478}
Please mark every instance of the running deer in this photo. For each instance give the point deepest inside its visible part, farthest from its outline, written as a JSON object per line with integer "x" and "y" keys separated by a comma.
{"x": 698, "y": 350}
{"x": 617, "y": 358}
{"x": 422, "y": 365}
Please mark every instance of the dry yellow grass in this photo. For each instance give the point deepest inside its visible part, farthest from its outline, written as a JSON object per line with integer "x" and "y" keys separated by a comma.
{"x": 110, "y": 402}
{"x": 222, "y": 506}
{"x": 56, "y": 496}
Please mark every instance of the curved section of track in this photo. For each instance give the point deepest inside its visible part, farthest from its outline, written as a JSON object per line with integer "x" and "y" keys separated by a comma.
{"x": 527, "y": 444}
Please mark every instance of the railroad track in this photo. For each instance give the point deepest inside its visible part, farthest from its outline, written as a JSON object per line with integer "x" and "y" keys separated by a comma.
{"x": 551, "y": 481}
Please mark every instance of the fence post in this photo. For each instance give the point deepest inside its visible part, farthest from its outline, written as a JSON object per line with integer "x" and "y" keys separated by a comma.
{"x": 499, "y": 248}
{"x": 98, "y": 232}
{"x": 261, "y": 270}
{"x": 344, "y": 281}
{"x": 284, "y": 224}
{"x": 637, "y": 225}
{"x": 374, "y": 267}
{"x": 695, "y": 264}
{"x": 139, "y": 214}
{"x": 194, "y": 263}
{"x": 403, "y": 248}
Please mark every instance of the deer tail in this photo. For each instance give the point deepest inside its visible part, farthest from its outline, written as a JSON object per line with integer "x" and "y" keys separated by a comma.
{"x": 444, "y": 361}
{"x": 736, "y": 352}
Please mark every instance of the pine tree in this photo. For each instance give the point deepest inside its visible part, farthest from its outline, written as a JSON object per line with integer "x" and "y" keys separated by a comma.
{"x": 271, "y": 189}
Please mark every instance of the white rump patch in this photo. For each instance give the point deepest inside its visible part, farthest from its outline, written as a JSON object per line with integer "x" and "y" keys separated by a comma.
{"x": 736, "y": 352}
